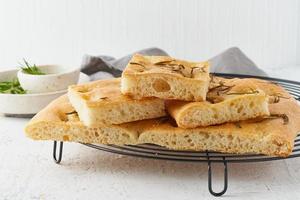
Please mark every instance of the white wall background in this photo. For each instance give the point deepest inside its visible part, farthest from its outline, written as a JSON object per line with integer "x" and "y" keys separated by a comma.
{"x": 61, "y": 31}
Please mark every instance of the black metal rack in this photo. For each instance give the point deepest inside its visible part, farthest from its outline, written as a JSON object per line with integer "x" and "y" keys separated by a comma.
{"x": 157, "y": 152}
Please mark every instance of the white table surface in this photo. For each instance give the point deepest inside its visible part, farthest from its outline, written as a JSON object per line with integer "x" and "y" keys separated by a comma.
{"x": 27, "y": 171}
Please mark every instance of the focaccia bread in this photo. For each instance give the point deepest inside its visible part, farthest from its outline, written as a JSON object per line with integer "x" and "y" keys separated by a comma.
{"x": 101, "y": 102}
{"x": 59, "y": 121}
{"x": 166, "y": 78}
{"x": 273, "y": 135}
{"x": 228, "y": 100}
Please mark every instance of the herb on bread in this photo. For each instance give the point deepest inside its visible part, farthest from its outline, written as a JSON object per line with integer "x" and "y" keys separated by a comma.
{"x": 179, "y": 68}
{"x": 31, "y": 69}
{"x": 71, "y": 113}
{"x": 215, "y": 93}
{"x": 164, "y": 62}
{"x": 252, "y": 91}
{"x": 202, "y": 70}
{"x": 141, "y": 68}
{"x": 135, "y": 63}
{"x": 276, "y": 98}
{"x": 284, "y": 117}
{"x": 221, "y": 88}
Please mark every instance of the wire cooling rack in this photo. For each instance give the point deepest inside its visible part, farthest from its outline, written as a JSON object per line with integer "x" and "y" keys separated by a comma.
{"x": 158, "y": 152}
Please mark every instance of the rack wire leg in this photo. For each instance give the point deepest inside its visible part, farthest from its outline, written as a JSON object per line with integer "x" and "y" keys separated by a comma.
{"x": 61, "y": 144}
{"x": 217, "y": 194}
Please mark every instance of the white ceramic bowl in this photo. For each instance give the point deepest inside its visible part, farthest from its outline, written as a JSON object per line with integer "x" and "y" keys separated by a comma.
{"x": 27, "y": 104}
{"x": 56, "y": 78}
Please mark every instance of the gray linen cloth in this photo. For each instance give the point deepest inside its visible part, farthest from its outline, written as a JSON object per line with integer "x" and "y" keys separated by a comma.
{"x": 232, "y": 61}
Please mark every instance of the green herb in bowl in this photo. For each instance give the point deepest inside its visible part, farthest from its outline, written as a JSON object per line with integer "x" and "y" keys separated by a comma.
{"x": 11, "y": 87}
{"x": 31, "y": 69}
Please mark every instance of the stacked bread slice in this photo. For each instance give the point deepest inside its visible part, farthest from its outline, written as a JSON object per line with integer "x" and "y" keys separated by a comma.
{"x": 176, "y": 104}
{"x": 165, "y": 77}
{"x": 101, "y": 102}
{"x": 227, "y": 101}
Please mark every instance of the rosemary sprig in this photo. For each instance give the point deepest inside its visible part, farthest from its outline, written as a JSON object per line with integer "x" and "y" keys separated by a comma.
{"x": 135, "y": 63}
{"x": 202, "y": 70}
{"x": 221, "y": 84}
{"x": 71, "y": 113}
{"x": 178, "y": 68}
{"x": 140, "y": 68}
{"x": 173, "y": 67}
{"x": 11, "y": 87}
{"x": 242, "y": 93}
{"x": 176, "y": 64}
{"x": 221, "y": 88}
{"x": 192, "y": 71}
{"x": 277, "y": 98}
{"x": 284, "y": 117}
{"x": 163, "y": 62}
{"x": 215, "y": 93}
{"x": 31, "y": 69}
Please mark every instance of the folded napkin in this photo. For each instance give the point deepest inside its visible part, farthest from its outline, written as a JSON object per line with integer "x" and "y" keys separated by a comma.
{"x": 232, "y": 61}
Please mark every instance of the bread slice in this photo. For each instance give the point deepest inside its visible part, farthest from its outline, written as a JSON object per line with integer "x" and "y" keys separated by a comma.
{"x": 58, "y": 121}
{"x": 228, "y": 100}
{"x": 166, "y": 78}
{"x": 101, "y": 102}
{"x": 273, "y": 135}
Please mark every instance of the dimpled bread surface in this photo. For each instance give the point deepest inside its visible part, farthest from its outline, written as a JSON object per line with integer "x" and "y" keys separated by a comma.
{"x": 271, "y": 135}
{"x": 101, "y": 102}
{"x": 228, "y": 100}
{"x": 165, "y": 77}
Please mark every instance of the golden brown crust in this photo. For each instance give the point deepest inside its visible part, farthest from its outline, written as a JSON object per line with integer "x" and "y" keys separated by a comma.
{"x": 278, "y": 131}
{"x": 165, "y": 77}
{"x": 267, "y": 136}
{"x": 140, "y": 64}
{"x": 102, "y": 92}
{"x": 228, "y": 100}
{"x": 59, "y": 121}
{"x": 101, "y": 102}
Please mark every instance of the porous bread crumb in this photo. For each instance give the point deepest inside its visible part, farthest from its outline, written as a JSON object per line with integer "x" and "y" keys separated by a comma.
{"x": 165, "y": 77}
{"x": 265, "y": 136}
{"x": 101, "y": 103}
